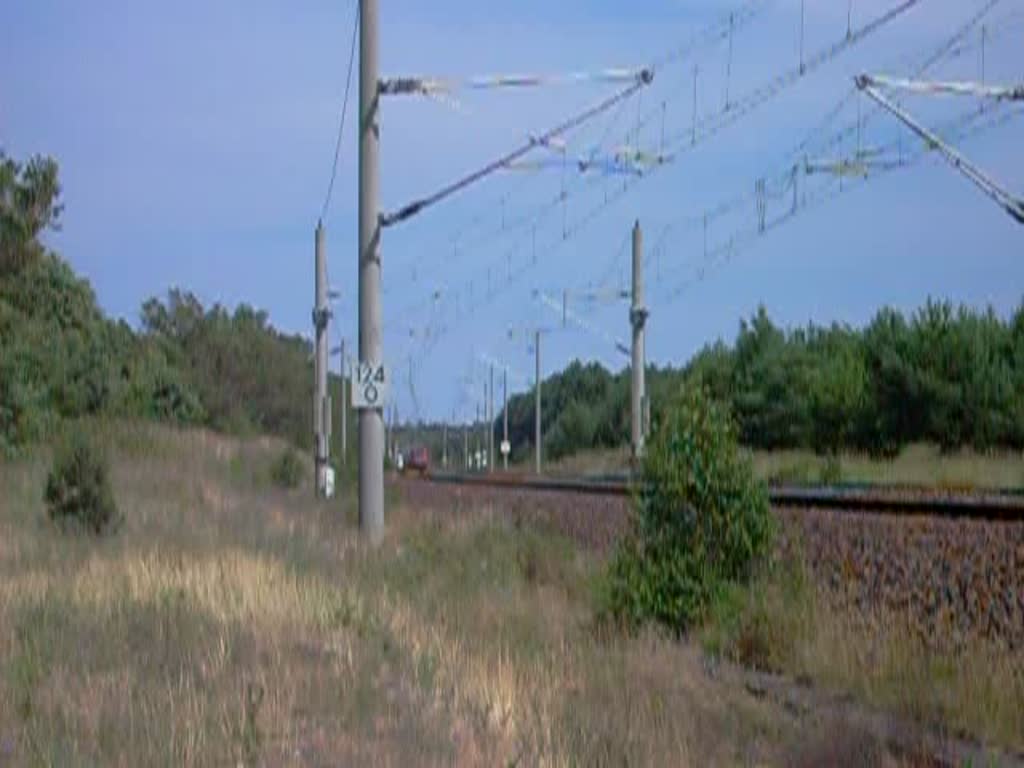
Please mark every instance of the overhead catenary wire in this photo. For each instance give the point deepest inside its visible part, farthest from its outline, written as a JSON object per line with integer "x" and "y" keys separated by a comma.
{"x": 417, "y": 206}
{"x": 713, "y": 33}
{"x": 934, "y": 87}
{"x": 431, "y": 85}
{"x": 785, "y": 179}
{"x": 570, "y": 316}
{"x": 1012, "y": 205}
{"x": 734, "y": 245}
{"x": 616, "y": 192}
{"x": 756, "y": 98}
{"x": 948, "y": 46}
{"x": 763, "y": 93}
{"x": 715, "y": 123}
{"x": 474, "y": 232}
{"x": 964, "y": 126}
{"x": 344, "y": 110}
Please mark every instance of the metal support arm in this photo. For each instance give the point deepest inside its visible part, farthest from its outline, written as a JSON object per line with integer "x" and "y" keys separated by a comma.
{"x": 1012, "y": 205}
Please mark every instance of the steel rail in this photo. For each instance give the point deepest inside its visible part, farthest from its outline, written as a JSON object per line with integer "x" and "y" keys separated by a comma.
{"x": 895, "y": 500}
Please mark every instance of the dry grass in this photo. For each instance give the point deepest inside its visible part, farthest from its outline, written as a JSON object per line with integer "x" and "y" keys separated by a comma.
{"x": 229, "y": 622}
{"x": 232, "y": 623}
{"x": 784, "y": 624}
{"x": 597, "y": 462}
{"x": 507, "y": 636}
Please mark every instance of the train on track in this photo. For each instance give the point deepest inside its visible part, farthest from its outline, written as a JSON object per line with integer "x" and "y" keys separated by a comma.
{"x": 415, "y": 460}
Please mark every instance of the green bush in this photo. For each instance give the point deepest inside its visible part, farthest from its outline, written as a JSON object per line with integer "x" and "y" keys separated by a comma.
{"x": 287, "y": 470}
{"x": 759, "y": 625}
{"x": 78, "y": 490}
{"x": 701, "y": 521}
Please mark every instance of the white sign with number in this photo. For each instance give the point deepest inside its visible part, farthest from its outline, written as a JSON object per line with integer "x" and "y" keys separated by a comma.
{"x": 371, "y": 386}
{"x": 506, "y": 447}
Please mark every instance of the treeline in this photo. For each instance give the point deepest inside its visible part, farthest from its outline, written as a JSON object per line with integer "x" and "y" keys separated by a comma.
{"x": 249, "y": 377}
{"x": 61, "y": 358}
{"x": 945, "y": 375}
{"x": 950, "y": 376}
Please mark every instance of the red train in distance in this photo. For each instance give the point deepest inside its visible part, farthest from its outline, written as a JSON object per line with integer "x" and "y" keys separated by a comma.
{"x": 416, "y": 460}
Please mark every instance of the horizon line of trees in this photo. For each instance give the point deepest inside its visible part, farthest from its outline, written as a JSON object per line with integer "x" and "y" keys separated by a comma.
{"x": 946, "y": 375}
{"x": 62, "y": 358}
{"x": 951, "y": 376}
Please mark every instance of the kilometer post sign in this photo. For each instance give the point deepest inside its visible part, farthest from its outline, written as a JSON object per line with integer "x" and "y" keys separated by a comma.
{"x": 371, "y": 386}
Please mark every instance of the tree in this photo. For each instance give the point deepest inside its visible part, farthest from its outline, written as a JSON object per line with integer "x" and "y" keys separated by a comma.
{"x": 701, "y": 521}
{"x": 838, "y": 389}
{"x": 768, "y": 377}
{"x": 29, "y": 205}
{"x": 712, "y": 369}
{"x": 1016, "y": 438}
{"x": 983, "y": 346}
{"x": 573, "y": 431}
{"x": 248, "y": 376}
{"x": 896, "y": 415}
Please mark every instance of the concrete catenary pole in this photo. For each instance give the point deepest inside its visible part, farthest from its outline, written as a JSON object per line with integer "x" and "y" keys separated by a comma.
{"x": 637, "y": 317}
{"x": 321, "y": 315}
{"x": 490, "y": 424}
{"x": 444, "y": 446}
{"x": 504, "y": 411}
{"x": 344, "y": 410}
{"x": 465, "y": 446}
{"x": 537, "y": 437}
{"x": 371, "y": 420}
{"x": 478, "y": 456}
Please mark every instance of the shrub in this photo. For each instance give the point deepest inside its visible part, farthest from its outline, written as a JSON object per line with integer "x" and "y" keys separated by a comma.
{"x": 701, "y": 519}
{"x": 287, "y": 470}
{"x": 759, "y": 625}
{"x": 78, "y": 490}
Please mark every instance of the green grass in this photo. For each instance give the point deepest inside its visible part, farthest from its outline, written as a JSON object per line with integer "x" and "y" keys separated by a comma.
{"x": 919, "y": 465}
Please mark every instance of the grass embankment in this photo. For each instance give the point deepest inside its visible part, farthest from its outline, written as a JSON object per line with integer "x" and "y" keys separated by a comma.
{"x": 231, "y": 622}
{"x": 917, "y": 465}
{"x": 782, "y": 624}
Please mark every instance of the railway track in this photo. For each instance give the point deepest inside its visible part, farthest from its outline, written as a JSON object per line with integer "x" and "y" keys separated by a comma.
{"x": 950, "y": 563}
{"x": 895, "y": 500}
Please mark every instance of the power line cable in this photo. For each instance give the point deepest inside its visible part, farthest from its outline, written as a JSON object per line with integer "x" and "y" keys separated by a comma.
{"x": 752, "y": 100}
{"x": 713, "y": 124}
{"x": 785, "y": 180}
{"x": 948, "y": 46}
{"x": 715, "y": 32}
{"x": 344, "y": 110}
{"x": 417, "y": 206}
{"x": 962, "y": 127}
{"x": 740, "y": 108}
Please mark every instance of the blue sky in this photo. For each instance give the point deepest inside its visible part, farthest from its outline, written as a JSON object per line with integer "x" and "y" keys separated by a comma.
{"x": 195, "y": 141}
